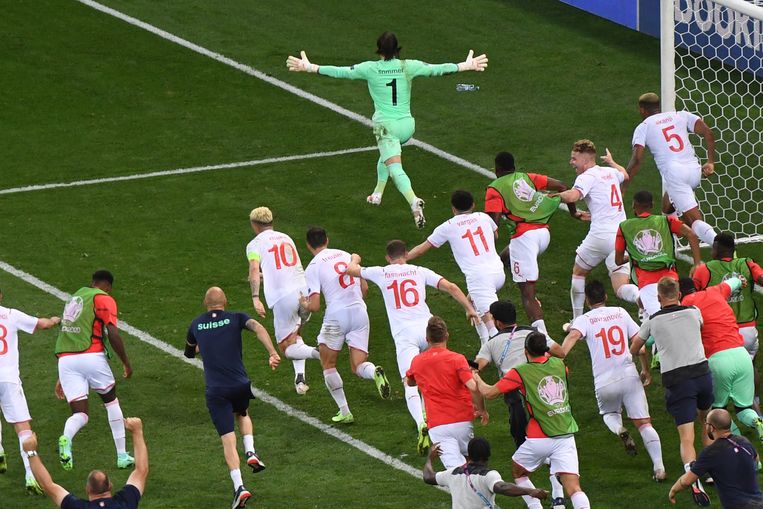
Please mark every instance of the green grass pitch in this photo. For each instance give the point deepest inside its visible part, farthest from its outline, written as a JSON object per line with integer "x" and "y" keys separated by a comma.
{"x": 88, "y": 96}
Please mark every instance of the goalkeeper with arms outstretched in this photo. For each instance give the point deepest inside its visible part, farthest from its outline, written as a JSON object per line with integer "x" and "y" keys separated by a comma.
{"x": 389, "y": 83}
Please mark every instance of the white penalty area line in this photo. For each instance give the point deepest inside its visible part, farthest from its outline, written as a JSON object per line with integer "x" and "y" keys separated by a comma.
{"x": 183, "y": 171}
{"x": 259, "y": 393}
{"x": 251, "y": 71}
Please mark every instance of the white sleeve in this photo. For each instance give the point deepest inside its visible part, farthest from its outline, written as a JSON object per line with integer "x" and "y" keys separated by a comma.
{"x": 23, "y": 321}
{"x": 439, "y": 236}
{"x": 639, "y": 135}
{"x": 491, "y": 479}
{"x": 690, "y": 119}
{"x": 580, "y": 324}
{"x": 583, "y": 183}
{"x": 619, "y": 176}
{"x": 484, "y": 352}
{"x": 431, "y": 277}
{"x": 699, "y": 316}
{"x": 633, "y": 327}
{"x": 443, "y": 478}
{"x": 251, "y": 251}
{"x": 373, "y": 274}
{"x": 490, "y": 221}
{"x": 313, "y": 280}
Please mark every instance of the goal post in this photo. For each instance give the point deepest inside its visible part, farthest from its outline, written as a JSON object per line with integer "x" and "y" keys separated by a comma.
{"x": 712, "y": 65}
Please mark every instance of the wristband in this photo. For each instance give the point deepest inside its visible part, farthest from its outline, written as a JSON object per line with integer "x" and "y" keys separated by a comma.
{"x": 29, "y": 454}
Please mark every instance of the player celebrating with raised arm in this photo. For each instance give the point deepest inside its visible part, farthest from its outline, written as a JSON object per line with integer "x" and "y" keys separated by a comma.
{"x": 345, "y": 320}
{"x": 403, "y": 288}
{"x": 274, "y": 255}
{"x": 600, "y": 188}
{"x": 666, "y": 134}
{"x": 516, "y": 195}
{"x": 389, "y": 83}
{"x": 472, "y": 240}
{"x": 12, "y": 400}
{"x": 606, "y": 330}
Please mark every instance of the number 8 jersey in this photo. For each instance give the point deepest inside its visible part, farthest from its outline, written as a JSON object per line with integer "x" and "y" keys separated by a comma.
{"x": 607, "y": 329}
{"x": 279, "y": 264}
{"x": 326, "y": 274}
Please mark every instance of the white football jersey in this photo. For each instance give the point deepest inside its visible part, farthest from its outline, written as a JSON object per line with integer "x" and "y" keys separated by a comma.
{"x": 12, "y": 321}
{"x": 279, "y": 263}
{"x": 472, "y": 240}
{"x": 403, "y": 287}
{"x": 666, "y": 135}
{"x": 607, "y": 330}
{"x": 600, "y": 187}
{"x": 326, "y": 274}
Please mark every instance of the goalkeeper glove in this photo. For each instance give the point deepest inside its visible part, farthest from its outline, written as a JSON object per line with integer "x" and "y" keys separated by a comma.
{"x": 473, "y": 63}
{"x": 300, "y": 64}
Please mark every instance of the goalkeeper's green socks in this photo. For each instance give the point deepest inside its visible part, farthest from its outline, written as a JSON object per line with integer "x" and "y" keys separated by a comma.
{"x": 402, "y": 182}
{"x": 382, "y": 174}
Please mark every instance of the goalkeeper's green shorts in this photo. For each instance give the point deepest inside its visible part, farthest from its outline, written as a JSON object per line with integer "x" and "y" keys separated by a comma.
{"x": 733, "y": 377}
{"x": 390, "y": 135}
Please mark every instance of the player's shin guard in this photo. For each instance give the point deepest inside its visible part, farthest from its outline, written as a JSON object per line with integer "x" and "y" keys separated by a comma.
{"x": 628, "y": 293}
{"x": 413, "y": 400}
{"x": 402, "y": 182}
{"x": 491, "y": 329}
{"x": 580, "y": 500}
{"x": 366, "y": 370}
{"x": 652, "y": 445}
{"x": 704, "y": 231}
{"x": 382, "y": 175}
{"x": 23, "y": 435}
{"x": 336, "y": 387}
{"x": 525, "y": 482}
{"x": 577, "y": 295}
{"x": 74, "y": 423}
{"x": 117, "y": 424}
{"x": 614, "y": 422}
{"x": 300, "y": 351}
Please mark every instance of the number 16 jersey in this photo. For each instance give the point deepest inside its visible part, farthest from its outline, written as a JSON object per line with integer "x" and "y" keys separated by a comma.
{"x": 279, "y": 264}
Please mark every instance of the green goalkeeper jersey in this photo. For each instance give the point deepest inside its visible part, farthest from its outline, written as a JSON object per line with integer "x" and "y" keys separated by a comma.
{"x": 389, "y": 82}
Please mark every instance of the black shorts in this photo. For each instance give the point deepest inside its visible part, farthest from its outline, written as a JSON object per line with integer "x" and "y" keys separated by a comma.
{"x": 684, "y": 398}
{"x": 222, "y": 402}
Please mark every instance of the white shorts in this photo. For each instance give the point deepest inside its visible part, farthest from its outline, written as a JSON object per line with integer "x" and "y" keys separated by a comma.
{"x": 483, "y": 289}
{"x": 750, "y": 335}
{"x": 348, "y": 325}
{"x": 680, "y": 186}
{"x": 524, "y": 252}
{"x": 454, "y": 440}
{"x": 81, "y": 372}
{"x": 562, "y": 452}
{"x": 408, "y": 344}
{"x": 648, "y": 297}
{"x": 596, "y": 249}
{"x": 13, "y": 403}
{"x": 286, "y": 319}
{"x": 626, "y": 392}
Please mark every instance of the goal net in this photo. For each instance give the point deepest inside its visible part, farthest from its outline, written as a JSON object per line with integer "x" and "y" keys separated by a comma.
{"x": 712, "y": 65}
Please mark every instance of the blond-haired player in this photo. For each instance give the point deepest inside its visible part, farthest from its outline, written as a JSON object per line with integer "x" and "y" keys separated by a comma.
{"x": 274, "y": 255}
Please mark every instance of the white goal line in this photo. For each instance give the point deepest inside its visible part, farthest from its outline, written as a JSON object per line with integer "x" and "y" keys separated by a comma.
{"x": 183, "y": 171}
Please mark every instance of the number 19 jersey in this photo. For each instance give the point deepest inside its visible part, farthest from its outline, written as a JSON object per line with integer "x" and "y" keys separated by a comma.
{"x": 607, "y": 330}
{"x": 403, "y": 287}
{"x": 279, "y": 263}
{"x": 326, "y": 274}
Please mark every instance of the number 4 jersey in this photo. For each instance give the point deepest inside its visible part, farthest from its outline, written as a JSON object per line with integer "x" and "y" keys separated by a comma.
{"x": 607, "y": 330}
{"x": 326, "y": 274}
{"x": 279, "y": 263}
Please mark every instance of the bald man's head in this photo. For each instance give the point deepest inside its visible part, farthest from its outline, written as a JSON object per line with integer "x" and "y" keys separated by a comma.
{"x": 98, "y": 484}
{"x": 720, "y": 419}
{"x": 215, "y": 298}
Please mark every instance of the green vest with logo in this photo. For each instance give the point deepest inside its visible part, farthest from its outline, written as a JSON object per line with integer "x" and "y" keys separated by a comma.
{"x": 547, "y": 394}
{"x": 77, "y": 322}
{"x": 523, "y": 200}
{"x": 743, "y": 303}
{"x": 649, "y": 242}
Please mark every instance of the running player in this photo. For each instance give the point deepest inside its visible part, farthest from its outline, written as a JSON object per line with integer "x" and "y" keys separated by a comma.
{"x": 389, "y": 83}
{"x": 648, "y": 239}
{"x": 345, "y": 320}
{"x": 403, "y": 287}
{"x": 12, "y": 400}
{"x": 616, "y": 381}
{"x": 216, "y": 334}
{"x": 666, "y": 135}
{"x": 517, "y": 196}
{"x": 472, "y": 240}
{"x": 600, "y": 188}
{"x": 274, "y": 255}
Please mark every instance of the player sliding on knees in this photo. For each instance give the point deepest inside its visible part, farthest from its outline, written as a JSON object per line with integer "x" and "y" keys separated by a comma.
{"x": 599, "y": 187}
{"x": 472, "y": 240}
{"x": 345, "y": 320}
{"x": 389, "y": 83}
{"x": 403, "y": 287}
{"x": 274, "y": 255}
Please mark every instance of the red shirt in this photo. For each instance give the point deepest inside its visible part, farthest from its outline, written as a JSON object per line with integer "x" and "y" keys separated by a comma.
{"x": 494, "y": 204}
{"x": 105, "y": 314}
{"x": 701, "y": 279}
{"x": 719, "y": 325}
{"x": 648, "y": 277}
{"x": 441, "y": 375}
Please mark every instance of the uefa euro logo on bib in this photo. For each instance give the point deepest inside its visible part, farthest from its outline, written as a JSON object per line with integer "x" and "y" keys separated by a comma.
{"x": 523, "y": 190}
{"x": 552, "y": 390}
{"x": 648, "y": 242}
{"x": 73, "y": 309}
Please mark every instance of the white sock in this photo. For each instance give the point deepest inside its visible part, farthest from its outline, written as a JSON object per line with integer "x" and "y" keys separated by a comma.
{"x": 299, "y": 367}
{"x": 415, "y": 408}
{"x": 248, "y": 443}
{"x": 336, "y": 387}
{"x": 117, "y": 423}
{"x": 1, "y": 440}
{"x": 614, "y": 422}
{"x": 482, "y": 332}
{"x": 23, "y": 436}
{"x": 577, "y": 295}
{"x": 628, "y": 293}
{"x": 491, "y": 330}
{"x": 540, "y": 325}
{"x": 704, "y": 231}
{"x": 300, "y": 351}
{"x": 366, "y": 370}
{"x": 557, "y": 490}
{"x": 652, "y": 445}
{"x": 580, "y": 500}
{"x": 687, "y": 467}
{"x": 525, "y": 482}
{"x": 235, "y": 476}
{"x": 74, "y": 423}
